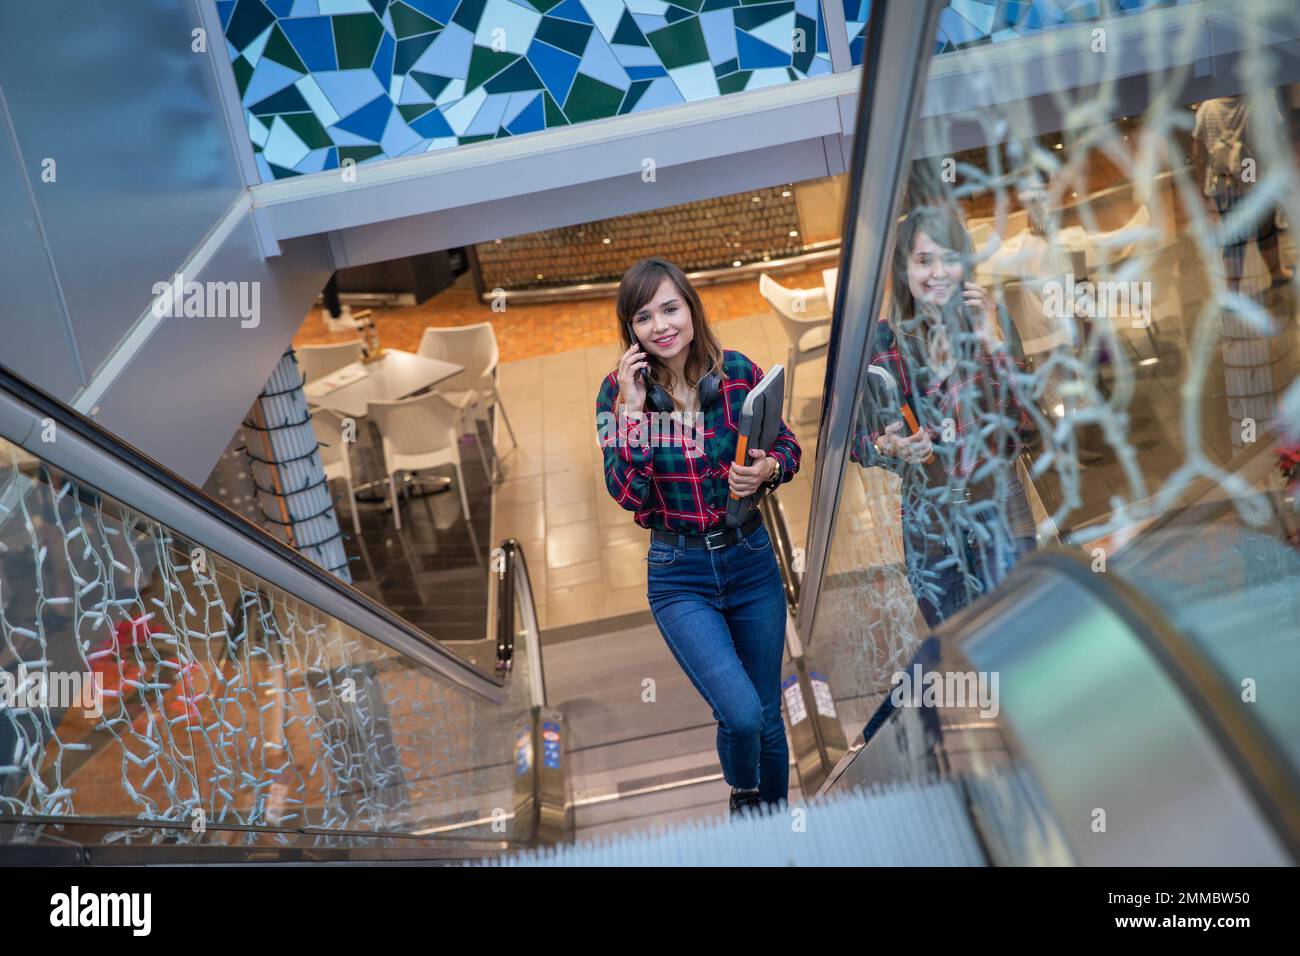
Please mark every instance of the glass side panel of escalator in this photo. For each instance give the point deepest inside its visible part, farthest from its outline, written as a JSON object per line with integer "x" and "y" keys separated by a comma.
{"x": 148, "y": 678}
{"x": 1094, "y": 322}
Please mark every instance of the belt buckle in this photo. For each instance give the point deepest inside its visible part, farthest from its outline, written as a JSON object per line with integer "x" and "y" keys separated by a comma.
{"x": 708, "y": 539}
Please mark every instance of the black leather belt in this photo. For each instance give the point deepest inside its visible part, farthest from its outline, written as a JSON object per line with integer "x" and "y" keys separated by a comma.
{"x": 712, "y": 540}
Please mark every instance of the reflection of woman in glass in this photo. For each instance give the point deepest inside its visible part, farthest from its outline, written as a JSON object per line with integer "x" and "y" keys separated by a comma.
{"x": 938, "y": 411}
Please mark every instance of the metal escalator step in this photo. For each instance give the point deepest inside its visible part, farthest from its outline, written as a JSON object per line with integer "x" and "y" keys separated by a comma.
{"x": 900, "y": 825}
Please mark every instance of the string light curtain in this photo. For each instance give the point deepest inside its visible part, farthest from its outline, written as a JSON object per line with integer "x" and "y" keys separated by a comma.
{"x": 292, "y": 491}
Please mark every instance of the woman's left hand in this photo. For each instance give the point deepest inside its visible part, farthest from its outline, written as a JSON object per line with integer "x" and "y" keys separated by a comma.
{"x": 744, "y": 480}
{"x": 976, "y": 296}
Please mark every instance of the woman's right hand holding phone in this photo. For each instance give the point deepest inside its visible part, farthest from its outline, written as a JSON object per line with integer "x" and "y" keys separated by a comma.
{"x": 630, "y": 385}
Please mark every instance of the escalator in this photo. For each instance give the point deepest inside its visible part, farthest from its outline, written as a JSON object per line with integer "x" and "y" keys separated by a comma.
{"x": 1126, "y": 695}
{"x": 1136, "y": 716}
{"x": 255, "y": 709}
{"x": 1142, "y": 713}
{"x": 180, "y": 687}
{"x": 252, "y": 708}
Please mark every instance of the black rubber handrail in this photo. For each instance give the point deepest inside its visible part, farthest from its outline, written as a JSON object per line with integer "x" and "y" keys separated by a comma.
{"x": 1263, "y": 768}
{"x": 774, "y": 516}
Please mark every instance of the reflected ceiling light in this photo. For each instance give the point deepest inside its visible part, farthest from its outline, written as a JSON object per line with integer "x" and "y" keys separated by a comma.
{"x": 1153, "y": 360}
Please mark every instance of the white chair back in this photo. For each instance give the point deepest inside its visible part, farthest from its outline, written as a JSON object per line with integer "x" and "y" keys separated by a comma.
{"x": 329, "y": 432}
{"x": 797, "y": 309}
{"x": 981, "y": 234}
{"x": 1119, "y": 244}
{"x": 473, "y": 346}
{"x": 982, "y": 229}
{"x": 1039, "y": 329}
{"x": 984, "y": 241}
{"x": 317, "y": 361}
{"x": 416, "y": 426}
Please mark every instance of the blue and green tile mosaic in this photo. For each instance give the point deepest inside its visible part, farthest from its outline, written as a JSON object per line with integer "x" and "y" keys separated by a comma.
{"x": 966, "y": 23}
{"x": 322, "y": 81}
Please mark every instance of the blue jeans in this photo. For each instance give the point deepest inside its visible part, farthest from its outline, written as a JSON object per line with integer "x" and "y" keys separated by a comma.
{"x": 722, "y": 613}
{"x": 942, "y": 592}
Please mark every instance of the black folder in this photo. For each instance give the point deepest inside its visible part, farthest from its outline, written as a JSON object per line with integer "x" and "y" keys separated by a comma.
{"x": 760, "y": 423}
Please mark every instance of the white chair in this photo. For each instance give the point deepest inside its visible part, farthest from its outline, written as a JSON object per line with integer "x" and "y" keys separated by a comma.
{"x": 317, "y": 361}
{"x": 475, "y": 348}
{"x": 805, "y": 315}
{"x": 986, "y": 227}
{"x": 334, "y": 455}
{"x": 418, "y": 433}
{"x": 1134, "y": 236}
{"x": 983, "y": 235}
{"x": 1041, "y": 332}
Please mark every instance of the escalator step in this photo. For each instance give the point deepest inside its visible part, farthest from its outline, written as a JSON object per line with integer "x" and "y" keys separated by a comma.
{"x": 909, "y": 825}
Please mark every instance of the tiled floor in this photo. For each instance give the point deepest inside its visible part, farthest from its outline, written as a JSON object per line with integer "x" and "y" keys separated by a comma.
{"x": 585, "y": 553}
{"x": 433, "y": 571}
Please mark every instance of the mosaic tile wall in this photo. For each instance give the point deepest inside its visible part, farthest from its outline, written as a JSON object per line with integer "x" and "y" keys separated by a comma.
{"x": 322, "y": 81}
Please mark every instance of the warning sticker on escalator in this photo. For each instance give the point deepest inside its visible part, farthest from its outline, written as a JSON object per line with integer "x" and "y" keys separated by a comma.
{"x": 794, "y": 705}
{"x": 822, "y": 694}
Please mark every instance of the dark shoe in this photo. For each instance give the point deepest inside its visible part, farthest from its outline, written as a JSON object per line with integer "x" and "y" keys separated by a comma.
{"x": 743, "y": 800}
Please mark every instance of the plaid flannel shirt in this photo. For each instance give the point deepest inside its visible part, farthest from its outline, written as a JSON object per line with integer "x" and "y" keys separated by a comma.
{"x": 943, "y": 398}
{"x": 675, "y": 479}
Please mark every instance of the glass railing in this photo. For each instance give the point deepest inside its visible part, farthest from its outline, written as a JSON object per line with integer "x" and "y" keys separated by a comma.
{"x": 171, "y": 674}
{"x": 1086, "y": 301}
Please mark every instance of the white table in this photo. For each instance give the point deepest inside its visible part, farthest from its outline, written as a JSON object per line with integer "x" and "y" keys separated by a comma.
{"x": 394, "y": 376}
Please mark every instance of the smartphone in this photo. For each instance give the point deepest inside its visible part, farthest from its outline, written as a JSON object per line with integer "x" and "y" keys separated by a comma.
{"x": 642, "y": 373}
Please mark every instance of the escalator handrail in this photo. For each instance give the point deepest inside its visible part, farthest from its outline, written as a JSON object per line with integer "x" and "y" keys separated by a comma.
{"x": 1263, "y": 768}
{"x": 1265, "y": 774}
{"x": 330, "y": 594}
{"x": 779, "y": 529}
{"x": 514, "y": 580}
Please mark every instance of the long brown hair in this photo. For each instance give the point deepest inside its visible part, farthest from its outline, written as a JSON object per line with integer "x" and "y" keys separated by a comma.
{"x": 944, "y": 226}
{"x": 639, "y": 285}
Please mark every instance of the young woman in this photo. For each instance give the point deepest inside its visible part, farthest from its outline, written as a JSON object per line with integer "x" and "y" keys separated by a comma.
{"x": 942, "y": 345}
{"x": 715, "y": 592}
